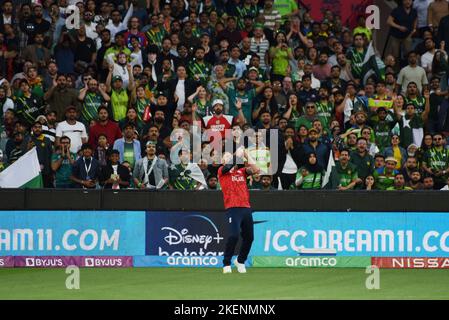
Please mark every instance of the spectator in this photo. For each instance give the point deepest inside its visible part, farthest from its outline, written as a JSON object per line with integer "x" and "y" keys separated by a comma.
{"x": 385, "y": 176}
{"x": 104, "y": 126}
{"x": 362, "y": 160}
{"x": 399, "y": 183}
{"x": 72, "y": 129}
{"x": 114, "y": 175}
{"x": 310, "y": 176}
{"x": 436, "y": 161}
{"x": 92, "y": 97}
{"x": 343, "y": 175}
{"x": 150, "y": 172}
{"x": 44, "y": 150}
{"x": 62, "y": 161}
{"x": 412, "y": 73}
{"x": 86, "y": 170}
{"x": 128, "y": 147}
{"x": 403, "y": 22}
{"x": 59, "y": 96}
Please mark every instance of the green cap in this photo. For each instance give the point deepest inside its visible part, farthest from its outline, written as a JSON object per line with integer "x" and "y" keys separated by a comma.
{"x": 115, "y": 78}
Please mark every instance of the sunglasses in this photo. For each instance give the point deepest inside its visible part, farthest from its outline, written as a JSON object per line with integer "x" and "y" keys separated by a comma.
{"x": 310, "y": 107}
{"x": 437, "y": 139}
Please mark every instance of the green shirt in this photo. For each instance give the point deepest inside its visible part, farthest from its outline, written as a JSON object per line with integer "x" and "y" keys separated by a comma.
{"x": 324, "y": 112}
{"x": 202, "y": 70}
{"x": 285, "y": 7}
{"x": 247, "y": 102}
{"x": 156, "y": 36}
{"x": 383, "y": 179}
{"x": 89, "y": 109}
{"x": 437, "y": 159}
{"x": 356, "y": 57}
{"x": 280, "y": 60}
{"x": 382, "y": 134}
{"x": 311, "y": 181}
{"x": 303, "y": 120}
{"x": 65, "y": 170}
{"x": 119, "y": 104}
{"x": 347, "y": 175}
{"x": 419, "y": 103}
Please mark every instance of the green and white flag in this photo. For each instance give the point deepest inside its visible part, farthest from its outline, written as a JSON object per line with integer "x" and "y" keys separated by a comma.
{"x": 24, "y": 173}
{"x": 196, "y": 173}
{"x": 330, "y": 165}
{"x": 372, "y": 65}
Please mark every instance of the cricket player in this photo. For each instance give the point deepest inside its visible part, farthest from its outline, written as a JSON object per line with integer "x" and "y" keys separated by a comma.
{"x": 232, "y": 177}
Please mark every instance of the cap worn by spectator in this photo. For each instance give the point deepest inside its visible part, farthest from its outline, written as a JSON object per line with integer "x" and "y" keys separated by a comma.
{"x": 392, "y": 159}
{"x": 115, "y": 78}
{"x": 217, "y": 101}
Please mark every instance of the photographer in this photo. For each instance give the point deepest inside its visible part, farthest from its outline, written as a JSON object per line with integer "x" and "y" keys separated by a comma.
{"x": 61, "y": 163}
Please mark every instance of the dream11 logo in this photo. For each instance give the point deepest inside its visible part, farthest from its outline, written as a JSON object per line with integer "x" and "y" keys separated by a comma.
{"x": 209, "y": 146}
{"x": 195, "y": 235}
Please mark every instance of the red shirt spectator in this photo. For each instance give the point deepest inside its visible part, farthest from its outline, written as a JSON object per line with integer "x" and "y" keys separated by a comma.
{"x": 104, "y": 126}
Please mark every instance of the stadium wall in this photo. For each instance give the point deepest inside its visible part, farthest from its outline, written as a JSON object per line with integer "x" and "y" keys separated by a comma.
{"x": 100, "y": 228}
{"x": 78, "y": 199}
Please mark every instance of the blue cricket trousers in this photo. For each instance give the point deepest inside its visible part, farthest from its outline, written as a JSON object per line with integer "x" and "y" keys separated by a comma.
{"x": 240, "y": 221}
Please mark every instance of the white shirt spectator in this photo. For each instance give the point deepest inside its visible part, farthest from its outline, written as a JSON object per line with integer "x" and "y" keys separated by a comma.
{"x": 180, "y": 92}
{"x": 122, "y": 25}
{"x": 75, "y": 132}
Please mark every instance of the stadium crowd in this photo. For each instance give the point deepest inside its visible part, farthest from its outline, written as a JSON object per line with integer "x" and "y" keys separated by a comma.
{"x": 107, "y": 103}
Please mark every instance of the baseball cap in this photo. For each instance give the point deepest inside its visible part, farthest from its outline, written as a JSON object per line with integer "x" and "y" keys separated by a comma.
{"x": 253, "y": 69}
{"x": 115, "y": 78}
{"x": 313, "y": 129}
{"x": 217, "y": 101}
{"x": 391, "y": 159}
{"x": 150, "y": 143}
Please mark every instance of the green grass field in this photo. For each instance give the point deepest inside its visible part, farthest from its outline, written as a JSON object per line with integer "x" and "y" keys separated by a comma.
{"x": 258, "y": 283}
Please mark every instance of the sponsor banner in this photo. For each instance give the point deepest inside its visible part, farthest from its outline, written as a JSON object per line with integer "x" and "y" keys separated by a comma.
{"x": 63, "y": 262}
{"x": 104, "y": 262}
{"x": 379, "y": 234}
{"x": 6, "y": 262}
{"x": 186, "y": 233}
{"x": 182, "y": 261}
{"x": 72, "y": 233}
{"x": 311, "y": 262}
{"x": 410, "y": 263}
{"x": 43, "y": 262}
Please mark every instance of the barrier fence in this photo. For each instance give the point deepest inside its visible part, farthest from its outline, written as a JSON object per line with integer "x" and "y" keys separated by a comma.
{"x": 293, "y": 229}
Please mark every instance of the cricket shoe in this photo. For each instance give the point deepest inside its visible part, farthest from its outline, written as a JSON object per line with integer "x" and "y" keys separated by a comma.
{"x": 227, "y": 269}
{"x": 240, "y": 266}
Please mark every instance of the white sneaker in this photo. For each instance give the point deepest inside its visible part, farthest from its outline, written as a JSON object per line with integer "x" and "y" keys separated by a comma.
{"x": 227, "y": 269}
{"x": 240, "y": 266}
